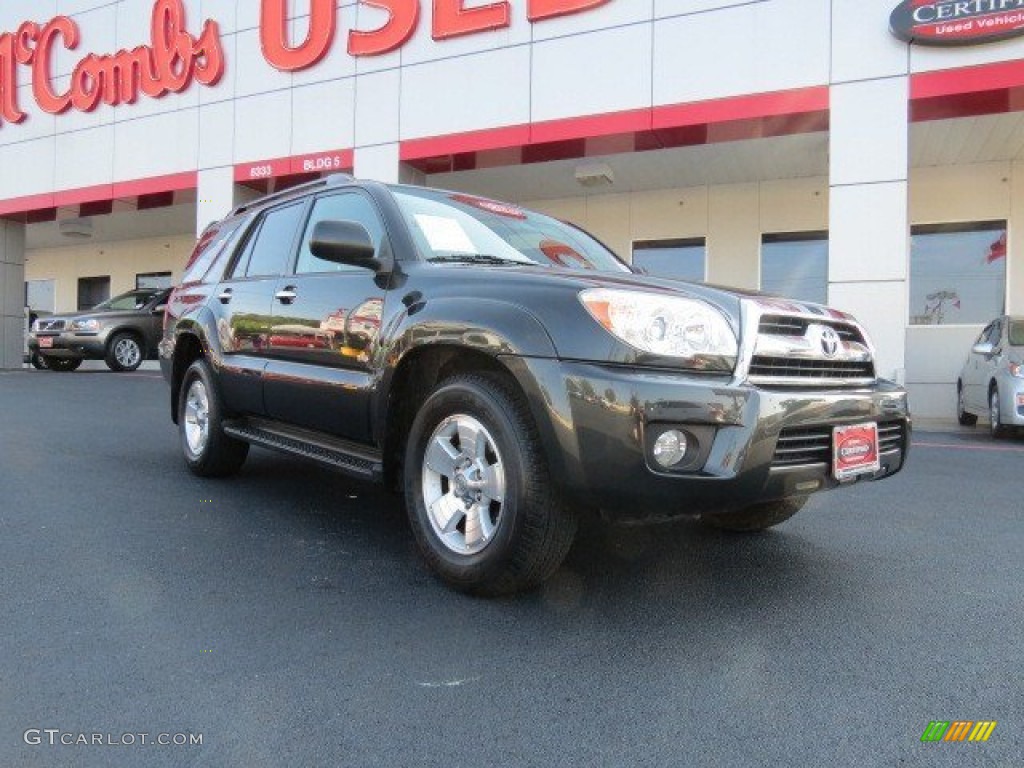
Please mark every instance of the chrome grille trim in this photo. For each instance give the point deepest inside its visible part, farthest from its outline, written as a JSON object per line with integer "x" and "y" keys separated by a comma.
{"x": 45, "y": 326}
{"x": 803, "y": 446}
{"x": 784, "y": 345}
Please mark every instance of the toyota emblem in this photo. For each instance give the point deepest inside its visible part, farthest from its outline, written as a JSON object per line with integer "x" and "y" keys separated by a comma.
{"x": 829, "y": 341}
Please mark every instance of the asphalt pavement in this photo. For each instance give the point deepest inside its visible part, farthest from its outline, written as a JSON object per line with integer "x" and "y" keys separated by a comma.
{"x": 284, "y": 618}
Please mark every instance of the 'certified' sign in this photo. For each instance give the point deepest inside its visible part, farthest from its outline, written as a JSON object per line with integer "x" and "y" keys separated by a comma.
{"x": 957, "y": 22}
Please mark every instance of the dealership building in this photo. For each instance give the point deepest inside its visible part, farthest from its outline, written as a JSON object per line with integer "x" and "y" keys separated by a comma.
{"x": 864, "y": 153}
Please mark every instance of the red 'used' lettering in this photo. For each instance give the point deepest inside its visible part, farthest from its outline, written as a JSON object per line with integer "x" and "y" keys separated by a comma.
{"x": 452, "y": 19}
{"x": 538, "y": 10}
{"x": 275, "y": 40}
{"x": 404, "y": 16}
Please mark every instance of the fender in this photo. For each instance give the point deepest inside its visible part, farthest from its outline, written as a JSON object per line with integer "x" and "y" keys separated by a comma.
{"x": 493, "y": 327}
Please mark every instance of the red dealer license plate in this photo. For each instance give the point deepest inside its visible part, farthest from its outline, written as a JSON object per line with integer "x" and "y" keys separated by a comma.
{"x": 46, "y": 342}
{"x": 855, "y": 450}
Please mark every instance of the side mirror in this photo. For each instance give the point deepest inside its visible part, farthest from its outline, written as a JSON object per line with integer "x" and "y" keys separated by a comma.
{"x": 344, "y": 242}
{"x": 984, "y": 348}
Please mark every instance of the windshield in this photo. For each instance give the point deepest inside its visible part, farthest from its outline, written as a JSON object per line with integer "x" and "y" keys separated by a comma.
{"x": 131, "y": 300}
{"x": 1017, "y": 333}
{"x": 450, "y": 227}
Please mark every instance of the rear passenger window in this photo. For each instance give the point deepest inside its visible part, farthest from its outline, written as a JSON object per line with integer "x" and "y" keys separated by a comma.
{"x": 270, "y": 249}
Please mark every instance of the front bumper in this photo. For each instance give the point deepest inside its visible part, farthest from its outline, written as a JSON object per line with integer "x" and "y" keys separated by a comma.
{"x": 1011, "y": 396}
{"x": 595, "y": 418}
{"x": 70, "y": 345}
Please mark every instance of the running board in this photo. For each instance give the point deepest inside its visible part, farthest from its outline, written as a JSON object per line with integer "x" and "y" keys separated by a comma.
{"x": 353, "y": 459}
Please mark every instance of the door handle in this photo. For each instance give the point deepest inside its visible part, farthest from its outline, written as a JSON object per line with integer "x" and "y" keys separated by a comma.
{"x": 225, "y": 296}
{"x": 286, "y": 295}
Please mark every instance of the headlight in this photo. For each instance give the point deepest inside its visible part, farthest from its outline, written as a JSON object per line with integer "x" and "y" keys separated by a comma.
{"x": 89, "y": 326}
{"x": 670, "y": 326}
{"x": 1017, "y": 369}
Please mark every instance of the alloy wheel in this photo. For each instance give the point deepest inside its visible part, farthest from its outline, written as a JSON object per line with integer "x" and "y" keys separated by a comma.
{"x": 197, "y": 417}
{"x": 463, "y": 484}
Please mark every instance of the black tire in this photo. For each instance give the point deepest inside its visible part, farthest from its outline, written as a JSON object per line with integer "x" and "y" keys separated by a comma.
{"x": 38, "y": 362}
{"x": 218, "y": 455}
{"x": 995, "y": 419}
{"x": 531, "y": 529}
{"x": 756, "y": 517}
{"x": 125, "y": 352}
{"x": 63, "y": 364}
{"x": 962, "y": 416}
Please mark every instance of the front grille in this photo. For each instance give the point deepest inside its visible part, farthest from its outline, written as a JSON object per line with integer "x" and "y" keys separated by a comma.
{"x": 803, "y": 445}
{"x": 800, "y": 446}
{"x": 796, "y": 368}
{"x": 784, "y": 325}
{"x": 890, "y": 437}
{"x": 50, "y": 325}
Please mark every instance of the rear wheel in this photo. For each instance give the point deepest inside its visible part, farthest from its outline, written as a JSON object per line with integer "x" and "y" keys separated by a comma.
{"x": 966, "y": 419}
{"x": 756, "y": 517}
{"x": 208, "y": 451}
{"x": 124, "y": 353}
{"x": 63, "y": 364}
{"x": 995, "y": 419}
{"x": 478, "y": 490}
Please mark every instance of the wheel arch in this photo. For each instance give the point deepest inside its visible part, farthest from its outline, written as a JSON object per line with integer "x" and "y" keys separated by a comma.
{"x": 187, "y": 349}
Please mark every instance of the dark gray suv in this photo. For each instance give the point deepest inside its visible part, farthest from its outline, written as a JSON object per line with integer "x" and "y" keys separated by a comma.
{"x": 123, "y": 331}
{"x": 506, "y": 371}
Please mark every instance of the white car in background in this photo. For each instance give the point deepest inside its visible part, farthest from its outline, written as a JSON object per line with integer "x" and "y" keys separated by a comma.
{"x": 992, "y": 380}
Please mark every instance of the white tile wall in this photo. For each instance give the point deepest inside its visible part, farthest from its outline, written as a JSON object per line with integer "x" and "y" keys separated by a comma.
{"x": 485, "y": 90}
{"x": 154, "y": 146}
{"x": 773, "y": 46}
{"x": 606, "y": 71}
{"x": 869, "y": 133}
{"x": 380, "y": 163}
{"x": 322, "y": 117}
{"x": 378, "y": 107}
{"x": 85, "y": 158}
{"x": 868, "y": 232}
{"x": 263, "y": 126}
{"x": 862, "y": 47}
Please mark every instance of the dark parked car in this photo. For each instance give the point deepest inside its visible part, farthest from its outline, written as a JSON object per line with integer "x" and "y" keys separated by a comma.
{"x": 123, "y": 331}
{"x": 507, "y": 371}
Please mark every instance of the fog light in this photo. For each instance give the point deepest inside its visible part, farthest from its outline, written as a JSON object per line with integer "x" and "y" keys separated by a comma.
{"x": 670, "y": 448}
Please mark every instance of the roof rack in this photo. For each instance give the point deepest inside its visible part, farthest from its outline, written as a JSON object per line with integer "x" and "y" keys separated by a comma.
{"x": 327, "y": 181}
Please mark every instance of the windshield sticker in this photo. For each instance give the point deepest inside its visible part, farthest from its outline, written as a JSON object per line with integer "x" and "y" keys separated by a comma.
{"x": 444, "y": 234}
{"x": 491, "y": 206}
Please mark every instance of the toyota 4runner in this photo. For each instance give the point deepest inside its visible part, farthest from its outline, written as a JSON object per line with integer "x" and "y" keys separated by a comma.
{"x": 505, "y": 370}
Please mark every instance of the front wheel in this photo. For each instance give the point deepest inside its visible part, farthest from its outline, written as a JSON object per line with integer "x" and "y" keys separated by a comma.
{"x": 208, "y": 451}
{"x": 38, "y": 362}
{"x": 757, "y": 517}
{"x": 995, "y": 419}
{"x": 124, "y": 353}
{"x": 962, "y": 416}
{"x": 478, "y": 491}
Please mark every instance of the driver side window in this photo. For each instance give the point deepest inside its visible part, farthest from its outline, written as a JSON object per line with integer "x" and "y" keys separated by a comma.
{"x": 347, "y": 206}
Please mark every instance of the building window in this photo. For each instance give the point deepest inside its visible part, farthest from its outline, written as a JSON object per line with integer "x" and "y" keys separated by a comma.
{"x": 795, "y": 265}
{"x": 957, "y": 273}
{"x": 684, "y": 259}
{"x": 158, "y": 280}
{"x": 92, "y": 291}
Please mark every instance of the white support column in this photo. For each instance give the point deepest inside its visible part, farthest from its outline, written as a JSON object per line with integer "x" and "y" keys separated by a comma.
{"x": 217, "y": 195}
{"x": 380, "y": 163}
{"x": 12, "y": 294}
{"x": 869, "y": 239}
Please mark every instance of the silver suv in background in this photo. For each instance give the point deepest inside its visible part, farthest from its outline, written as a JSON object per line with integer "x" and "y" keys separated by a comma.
{"x": 992, "y": 380}
{"x": 122, "y": 331}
